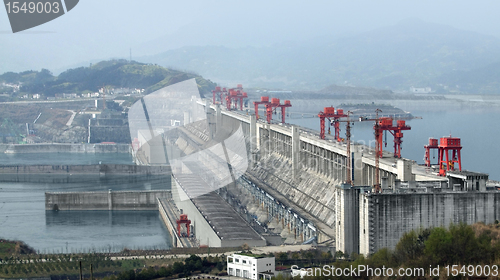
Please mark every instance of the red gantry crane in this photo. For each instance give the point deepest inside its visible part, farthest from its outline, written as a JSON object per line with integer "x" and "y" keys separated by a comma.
{"x": 447, "y": 144}
{"x": 263, "y": 100}
{"x": 385, "y": 124}
{"x": 183, "y": 220}
{"x": 236, "y": 94}
{"x": 334, "y": 118}
{"x": 270, "y": 107}
{"x": 217, "y": 92}
{"x": 231, "y": 97}
{"x": 330, "y": 114}
{"x": 275, "y": 102}
{"x": 433, "y": 144}
{"x": 283, "y": 108}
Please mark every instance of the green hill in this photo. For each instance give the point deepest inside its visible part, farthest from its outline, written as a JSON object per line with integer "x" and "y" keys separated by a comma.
{"x": 116, "y": 73}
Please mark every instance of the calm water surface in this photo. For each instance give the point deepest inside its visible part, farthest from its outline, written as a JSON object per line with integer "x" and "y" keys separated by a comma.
{"x": 23, "y": 216}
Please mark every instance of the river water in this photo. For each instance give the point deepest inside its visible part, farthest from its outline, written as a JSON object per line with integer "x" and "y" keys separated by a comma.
{"x": 23, "y": 216}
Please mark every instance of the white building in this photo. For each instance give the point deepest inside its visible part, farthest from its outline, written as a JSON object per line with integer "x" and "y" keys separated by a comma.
{"x": 251, "y": 266}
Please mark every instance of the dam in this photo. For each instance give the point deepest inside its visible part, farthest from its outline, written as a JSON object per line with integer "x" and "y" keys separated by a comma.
{"x": 293, "y": 182}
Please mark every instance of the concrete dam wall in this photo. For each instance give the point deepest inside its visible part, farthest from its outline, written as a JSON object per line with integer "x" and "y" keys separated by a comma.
{"x": 119, "y": 200}
{"x": 64, "y": 148}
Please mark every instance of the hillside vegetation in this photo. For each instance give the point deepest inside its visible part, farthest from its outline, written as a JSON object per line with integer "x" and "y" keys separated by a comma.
{"x": 112, "y": 73}
{"x": 460, "y": 246}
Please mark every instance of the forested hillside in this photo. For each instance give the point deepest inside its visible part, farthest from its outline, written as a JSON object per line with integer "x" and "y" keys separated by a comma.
{"x": 113, "y": 73}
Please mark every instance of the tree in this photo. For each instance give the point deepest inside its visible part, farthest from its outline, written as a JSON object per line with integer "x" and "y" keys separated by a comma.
{"x": 383, "y": 257}
{"x": 340, "y": 255}
{"x": 408, "y": 248}
{"x": 127, "y": 275}
{"x": 220, "y": 266}
{"x": 282, "y": 257}
{"x": 165, "y": 272}
{"x": 465, "y": 244}
{"x": 178, "y": 267}
{"x": 438, "y": 247}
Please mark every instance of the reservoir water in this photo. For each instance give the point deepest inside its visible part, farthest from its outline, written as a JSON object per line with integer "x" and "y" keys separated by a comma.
{"x": 23, "y": 216}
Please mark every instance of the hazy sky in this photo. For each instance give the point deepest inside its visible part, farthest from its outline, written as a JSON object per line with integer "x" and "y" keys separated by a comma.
{"x": 101, "y": 29}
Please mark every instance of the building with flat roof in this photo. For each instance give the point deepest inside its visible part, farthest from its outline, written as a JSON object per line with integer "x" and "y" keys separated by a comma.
{"x": 251, "y": 266}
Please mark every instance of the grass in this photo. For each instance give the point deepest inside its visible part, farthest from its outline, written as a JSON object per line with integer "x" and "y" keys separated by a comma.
{"x": 49, "y": 265}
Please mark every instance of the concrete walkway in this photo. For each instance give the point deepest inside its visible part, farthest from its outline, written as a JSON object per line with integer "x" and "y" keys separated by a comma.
{"x": 70, "y": 121}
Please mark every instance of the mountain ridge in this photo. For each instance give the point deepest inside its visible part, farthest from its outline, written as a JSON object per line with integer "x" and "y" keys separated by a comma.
{"x": 411, "y": 53}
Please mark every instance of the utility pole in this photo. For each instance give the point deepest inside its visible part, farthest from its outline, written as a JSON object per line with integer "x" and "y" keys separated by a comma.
{"x": 348, "y": 138}
{"x": 376, "y": 186}
{"x": 81, "y": 275}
